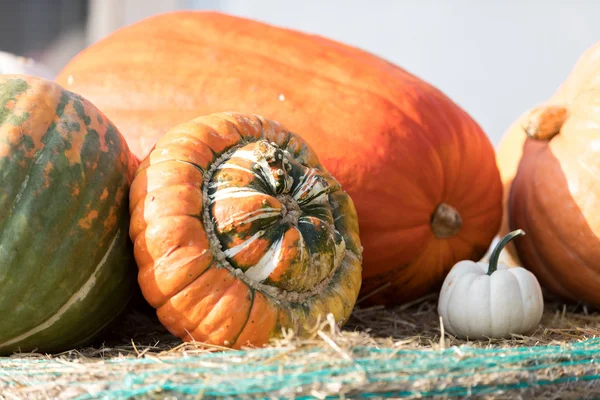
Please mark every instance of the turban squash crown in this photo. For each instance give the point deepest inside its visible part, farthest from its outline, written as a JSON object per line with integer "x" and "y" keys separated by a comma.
{"x": 419, "y": 169}
{"x": 239, "y": 232}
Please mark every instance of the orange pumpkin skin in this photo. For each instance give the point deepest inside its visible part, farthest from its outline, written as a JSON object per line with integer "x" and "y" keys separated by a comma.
{"x": 239, "y": 233}
{"x": 399, "y": 146}
{"x": 550, "y": 164}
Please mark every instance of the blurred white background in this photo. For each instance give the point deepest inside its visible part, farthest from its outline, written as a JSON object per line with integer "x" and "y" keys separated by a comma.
{"x": 494, "y": 58}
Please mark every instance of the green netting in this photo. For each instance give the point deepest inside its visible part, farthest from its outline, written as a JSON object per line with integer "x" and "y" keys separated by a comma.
{"x": 307, "y": 371}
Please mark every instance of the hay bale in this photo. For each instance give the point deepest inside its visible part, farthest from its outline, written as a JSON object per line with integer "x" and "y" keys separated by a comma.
{"x": 381, "y": 352}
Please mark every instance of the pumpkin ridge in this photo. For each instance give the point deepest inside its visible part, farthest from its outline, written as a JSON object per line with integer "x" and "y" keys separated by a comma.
{"x": 556, "y": 227}
{"x": 540, "y": 255}
{"x": 212, "y": 264}
{"x": 237, "y": 336}
{"x": 477, "y": 195}
{"x": 80, "y": 293}
{"x": 199, "y": 168}
{"x": 568, "y": 245}
{"x": 225, "y": 294}
{"x": 319, "y": 218}
{"x": 557, "y": 285}
{"x": 480, "y": 212}
{"x": 440, "y": 162}
{"x": 285, "y": 143}
{"x": 458, "y": 190}
{"x": 243, "y": 139}
{"x": 523, "y": 295}
{"x": 469, "y": 318}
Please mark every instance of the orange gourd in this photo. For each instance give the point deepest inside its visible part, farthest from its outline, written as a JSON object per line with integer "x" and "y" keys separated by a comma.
{"x": 550, "y": 165}
{"x": 421, "y": 172}
{"x": 239, "y": 232}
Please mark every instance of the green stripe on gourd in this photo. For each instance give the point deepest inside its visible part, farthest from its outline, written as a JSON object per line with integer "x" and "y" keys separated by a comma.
{"x": 266, "y": 204}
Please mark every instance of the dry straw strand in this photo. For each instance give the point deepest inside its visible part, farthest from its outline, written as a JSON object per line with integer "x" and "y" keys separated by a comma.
{"x": 402, "y": 352}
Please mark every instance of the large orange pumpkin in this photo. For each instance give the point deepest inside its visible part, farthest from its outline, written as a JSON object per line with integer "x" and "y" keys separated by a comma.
{"x": 550, "y": 165}
{"x": 421, "y": 172}
{"x": 239, "y": 233}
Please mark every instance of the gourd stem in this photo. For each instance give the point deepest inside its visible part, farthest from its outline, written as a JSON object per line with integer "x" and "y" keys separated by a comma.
{"x": 498, "y": 249}
{"x": 543, "y": 123}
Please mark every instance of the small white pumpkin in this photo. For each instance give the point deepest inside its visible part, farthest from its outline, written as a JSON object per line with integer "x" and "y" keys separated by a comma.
{"x": 480, "y": 300}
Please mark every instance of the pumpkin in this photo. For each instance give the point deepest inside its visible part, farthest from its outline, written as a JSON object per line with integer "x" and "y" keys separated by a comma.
{"x": 490, "y": 300}
{"x": 66, "y": 265}
{"x": 407, "y": 155}
{"x": 13, "y": 64}
{"x": 550, "y": 164}
{"x": 239, "y": 232}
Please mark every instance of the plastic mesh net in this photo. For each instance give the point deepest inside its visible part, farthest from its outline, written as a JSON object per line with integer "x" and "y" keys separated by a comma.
{"x": 304, "y": 371}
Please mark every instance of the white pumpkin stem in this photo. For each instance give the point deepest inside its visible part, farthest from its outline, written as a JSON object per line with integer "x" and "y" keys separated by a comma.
{"x": 498, "y": 249}
{"x": 543, "y": 123}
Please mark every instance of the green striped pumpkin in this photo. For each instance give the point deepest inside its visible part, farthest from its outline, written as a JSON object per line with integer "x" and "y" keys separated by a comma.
{"x": 240, "y": 233}
{"x": 66, "y": 266}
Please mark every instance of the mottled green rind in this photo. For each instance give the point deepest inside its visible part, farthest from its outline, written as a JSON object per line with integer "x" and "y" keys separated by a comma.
{"x": 320, "y": 239}
{"x": 45, "y": 255}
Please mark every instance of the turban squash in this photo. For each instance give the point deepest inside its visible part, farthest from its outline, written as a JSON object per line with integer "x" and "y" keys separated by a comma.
{"x": 66, "y": 265}
{"x": 407, "y": 155}
{"x": 550, "y": 165}
{"x": 239, "y": 232}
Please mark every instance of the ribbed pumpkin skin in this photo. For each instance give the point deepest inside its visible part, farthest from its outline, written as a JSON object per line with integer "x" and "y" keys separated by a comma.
{"x": 396, "y": 144}
{"x": 66, "y": 268}
{"x": 239, "y": 232}
{"x": 552, "y": 186}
